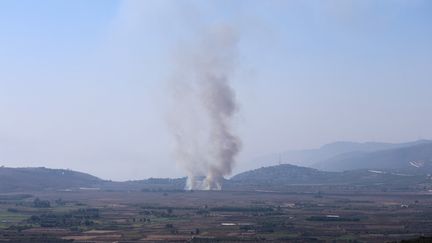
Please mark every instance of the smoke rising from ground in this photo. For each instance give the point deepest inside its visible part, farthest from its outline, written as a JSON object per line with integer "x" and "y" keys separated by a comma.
{"x": 204, "y": 108}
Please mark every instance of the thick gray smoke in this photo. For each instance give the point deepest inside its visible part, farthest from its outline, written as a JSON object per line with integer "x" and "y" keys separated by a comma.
{"x": 204, "y": 107}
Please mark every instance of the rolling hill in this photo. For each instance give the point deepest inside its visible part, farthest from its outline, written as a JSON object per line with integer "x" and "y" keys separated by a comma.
{"x": 28, "y": 179}
{"x": 270, "y": 178}
{"x": 398, "y": 164}
{"x": 279, "y": 176}
{"x": 45, "y": 179}
{"x": 283, "y": 174}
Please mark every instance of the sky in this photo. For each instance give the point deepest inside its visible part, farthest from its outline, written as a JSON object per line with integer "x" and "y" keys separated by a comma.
{"x": 83, "y": 84}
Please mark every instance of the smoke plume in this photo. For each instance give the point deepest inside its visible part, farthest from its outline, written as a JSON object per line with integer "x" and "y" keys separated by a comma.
{"x": 204, "y": 108}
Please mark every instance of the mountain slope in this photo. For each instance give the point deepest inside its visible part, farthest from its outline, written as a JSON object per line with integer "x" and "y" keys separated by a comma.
{"x": 413, "y": 159}
{"x": 310, "y": 157}
{"x": 27, "y": 179}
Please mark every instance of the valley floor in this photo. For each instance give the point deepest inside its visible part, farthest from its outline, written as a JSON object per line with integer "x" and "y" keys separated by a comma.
{"x": 222, "y": 216}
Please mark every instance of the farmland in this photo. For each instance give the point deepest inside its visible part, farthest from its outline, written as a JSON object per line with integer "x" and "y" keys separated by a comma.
{"x": 212, "y": 216}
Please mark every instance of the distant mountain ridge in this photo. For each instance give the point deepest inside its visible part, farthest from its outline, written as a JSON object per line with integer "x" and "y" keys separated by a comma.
{"x": 269, "y": 178}
{"x": 400, "y": 164}
{"x": 311, "y": 157}
{"x": 412, "y": 159}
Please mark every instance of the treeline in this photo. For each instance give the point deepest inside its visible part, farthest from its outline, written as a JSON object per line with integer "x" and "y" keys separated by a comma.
{"x": 241, "y": 209}
{"x": 326, "y": 218}
{"x": 80, "y": 217}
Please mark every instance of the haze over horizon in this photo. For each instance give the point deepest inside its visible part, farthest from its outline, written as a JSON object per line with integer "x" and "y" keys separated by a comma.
{"x": 84, "y": 83}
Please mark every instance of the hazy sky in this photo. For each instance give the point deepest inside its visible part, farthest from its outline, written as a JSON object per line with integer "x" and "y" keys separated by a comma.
{"x": 83, "y": 83}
